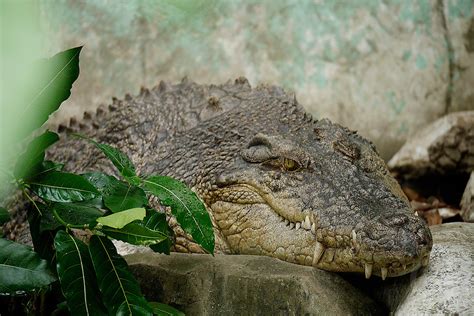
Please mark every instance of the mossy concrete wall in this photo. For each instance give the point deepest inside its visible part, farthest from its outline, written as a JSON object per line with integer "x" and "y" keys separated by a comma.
{"x": 385, "y": 68}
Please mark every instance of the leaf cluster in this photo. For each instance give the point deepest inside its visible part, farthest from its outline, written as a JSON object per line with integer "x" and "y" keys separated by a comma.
{"x": 74, "y": 216}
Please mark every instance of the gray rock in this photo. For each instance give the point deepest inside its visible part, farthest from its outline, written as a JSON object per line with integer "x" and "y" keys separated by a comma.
{"x": 467, "y": 201}
{"x": 459, "y": 18}
{"x": 444, "y": 146}
{"x": 245, "y": 285}
{"x": 446, "y": 285}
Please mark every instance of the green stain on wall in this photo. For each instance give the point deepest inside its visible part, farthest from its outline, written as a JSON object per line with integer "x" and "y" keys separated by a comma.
{"x": 396, "y": 105}
{"x": 319, "y": 78}
{"x": 402, "y": 128}
{"x": 418, "y": 12}
{"x": 406, "y": 55}
{"x": 298, "y": 39}
{"x": 460, "y": 8}
{"x": 421, "y": 62}
{"x": 439, "y": 62}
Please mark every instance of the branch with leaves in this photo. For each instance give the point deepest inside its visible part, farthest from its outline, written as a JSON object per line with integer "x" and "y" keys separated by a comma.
{"x": 94, "y": 279}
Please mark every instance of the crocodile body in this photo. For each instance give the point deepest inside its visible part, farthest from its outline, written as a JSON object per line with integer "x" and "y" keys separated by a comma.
{"x": 276, "y": 181}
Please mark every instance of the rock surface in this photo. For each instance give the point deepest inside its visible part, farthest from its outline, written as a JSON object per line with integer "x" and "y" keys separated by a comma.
{"x": 200, "y": 284}
{"x": 467, "y": 201}
{"x": 384, "y": 68}
{"x": 459, "y": 20}
{"x": 245, "y": 285}
{"x": 444, "y": 146}
{"x": 446, "y": 285}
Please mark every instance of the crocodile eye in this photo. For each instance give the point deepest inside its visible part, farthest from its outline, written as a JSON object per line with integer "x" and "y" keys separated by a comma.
{"x": 290, "y": 164}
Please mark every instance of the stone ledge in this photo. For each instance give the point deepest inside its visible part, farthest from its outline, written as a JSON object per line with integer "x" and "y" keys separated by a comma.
{"x": 245, "y": 285}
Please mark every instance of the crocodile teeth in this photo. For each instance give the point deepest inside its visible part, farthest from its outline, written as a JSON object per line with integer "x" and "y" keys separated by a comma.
{"x": 368, "y": 270}
{"x": 287, "y": 222}
{"x": 330, "y": 255}
{"x": 298, "y": 225}
{"x": 313, "y": 228}
{"x": 318, "y": 253}
{"x": 383, "y": 273}
{"x": 292, "y": 225}
{"x": 404, "y": 266}
{"x": 416, "y": 213}
{"x": 354, "y": 237}
{"x": 306, "y": 223}
{"x": 425, "y": 261}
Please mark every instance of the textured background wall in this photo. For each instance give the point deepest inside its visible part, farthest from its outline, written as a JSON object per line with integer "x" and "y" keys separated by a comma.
{"x": 385, "y": 68}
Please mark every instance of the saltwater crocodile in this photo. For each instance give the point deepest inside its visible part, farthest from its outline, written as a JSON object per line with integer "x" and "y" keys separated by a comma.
{"x": 276, "y": 181}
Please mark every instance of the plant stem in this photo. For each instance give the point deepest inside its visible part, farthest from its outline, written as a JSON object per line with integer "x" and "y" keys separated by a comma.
{"x": 67, "y": 225}
{"x": 32, "y": 201}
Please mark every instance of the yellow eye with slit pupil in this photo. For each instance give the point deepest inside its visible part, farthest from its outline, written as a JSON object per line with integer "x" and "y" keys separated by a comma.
{"x": 290, "y": 164}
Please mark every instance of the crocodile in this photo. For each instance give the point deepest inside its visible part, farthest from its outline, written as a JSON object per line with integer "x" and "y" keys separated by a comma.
{"x": 276, "y": 181}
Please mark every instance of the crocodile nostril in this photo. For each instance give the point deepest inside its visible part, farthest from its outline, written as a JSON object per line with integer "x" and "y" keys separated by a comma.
{"x": 422, "y": 236}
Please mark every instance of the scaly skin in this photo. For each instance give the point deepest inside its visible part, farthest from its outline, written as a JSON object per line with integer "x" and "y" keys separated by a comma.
{"x": 275, "y": 181}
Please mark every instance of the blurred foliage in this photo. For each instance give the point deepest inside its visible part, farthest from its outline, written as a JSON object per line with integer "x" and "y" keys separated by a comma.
{"x": 100, "y": 205}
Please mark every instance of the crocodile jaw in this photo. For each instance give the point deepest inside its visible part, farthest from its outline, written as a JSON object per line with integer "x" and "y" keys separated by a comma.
{"x": 256, "y": 221}
{"x": 264, "y": 232}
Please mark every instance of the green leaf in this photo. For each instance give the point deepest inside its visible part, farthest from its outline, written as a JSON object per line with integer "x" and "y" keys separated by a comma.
{"x": 61, "y": 309}
{"x": 30, "y": 161}
{"x": 42, "y": 240}
{"x": 4, "y": 215}
{"x": 125, "y": 197}
{"x": 53, "y": 81}
{"x": 63, "y": 187}
{"x": 117, "y": 195}
{"x": 163, "y": 309}
{"x": 75, "y": 214}
{"x": 157, "y": 222}
{"x": 47, "y": 222}
{"x": 21, "y": 269}
{"x": 46, "y": 167}
{"x": 135, "y": 234}
{"x": 119, "y": 220}
{"x": 77, "y": 276}
{"x": 120, "y": 291}
{"x": 189, "y": 211}
{"x": 120, "y": 160}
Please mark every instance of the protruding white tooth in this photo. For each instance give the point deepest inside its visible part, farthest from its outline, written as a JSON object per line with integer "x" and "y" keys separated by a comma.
{"x": 425, "y": 261}
{"x": 287, "y": 222}
{"x": 298, "y": 225}
{"x": 330, "y": 255}
{"x": 354, "y": 237}
{"x": 313, "y": 228}
{"x": 292, "y": 225}
{"x": 416, "y": 213}
{"x": 307, "y": 223}
{"x": 383, "y": 273}
{"x": 318, "y": 253}
{"x": 368, "y": 270}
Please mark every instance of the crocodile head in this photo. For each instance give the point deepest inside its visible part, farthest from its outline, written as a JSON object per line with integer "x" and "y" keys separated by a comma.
{"x": 318, "y": 195}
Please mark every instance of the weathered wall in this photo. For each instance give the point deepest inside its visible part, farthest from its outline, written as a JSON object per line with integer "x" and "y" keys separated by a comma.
{"x": 384, "y": 68}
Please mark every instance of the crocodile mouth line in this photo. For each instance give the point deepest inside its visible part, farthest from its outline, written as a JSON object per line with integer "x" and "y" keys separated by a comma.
{"x": 324, "y": 255}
